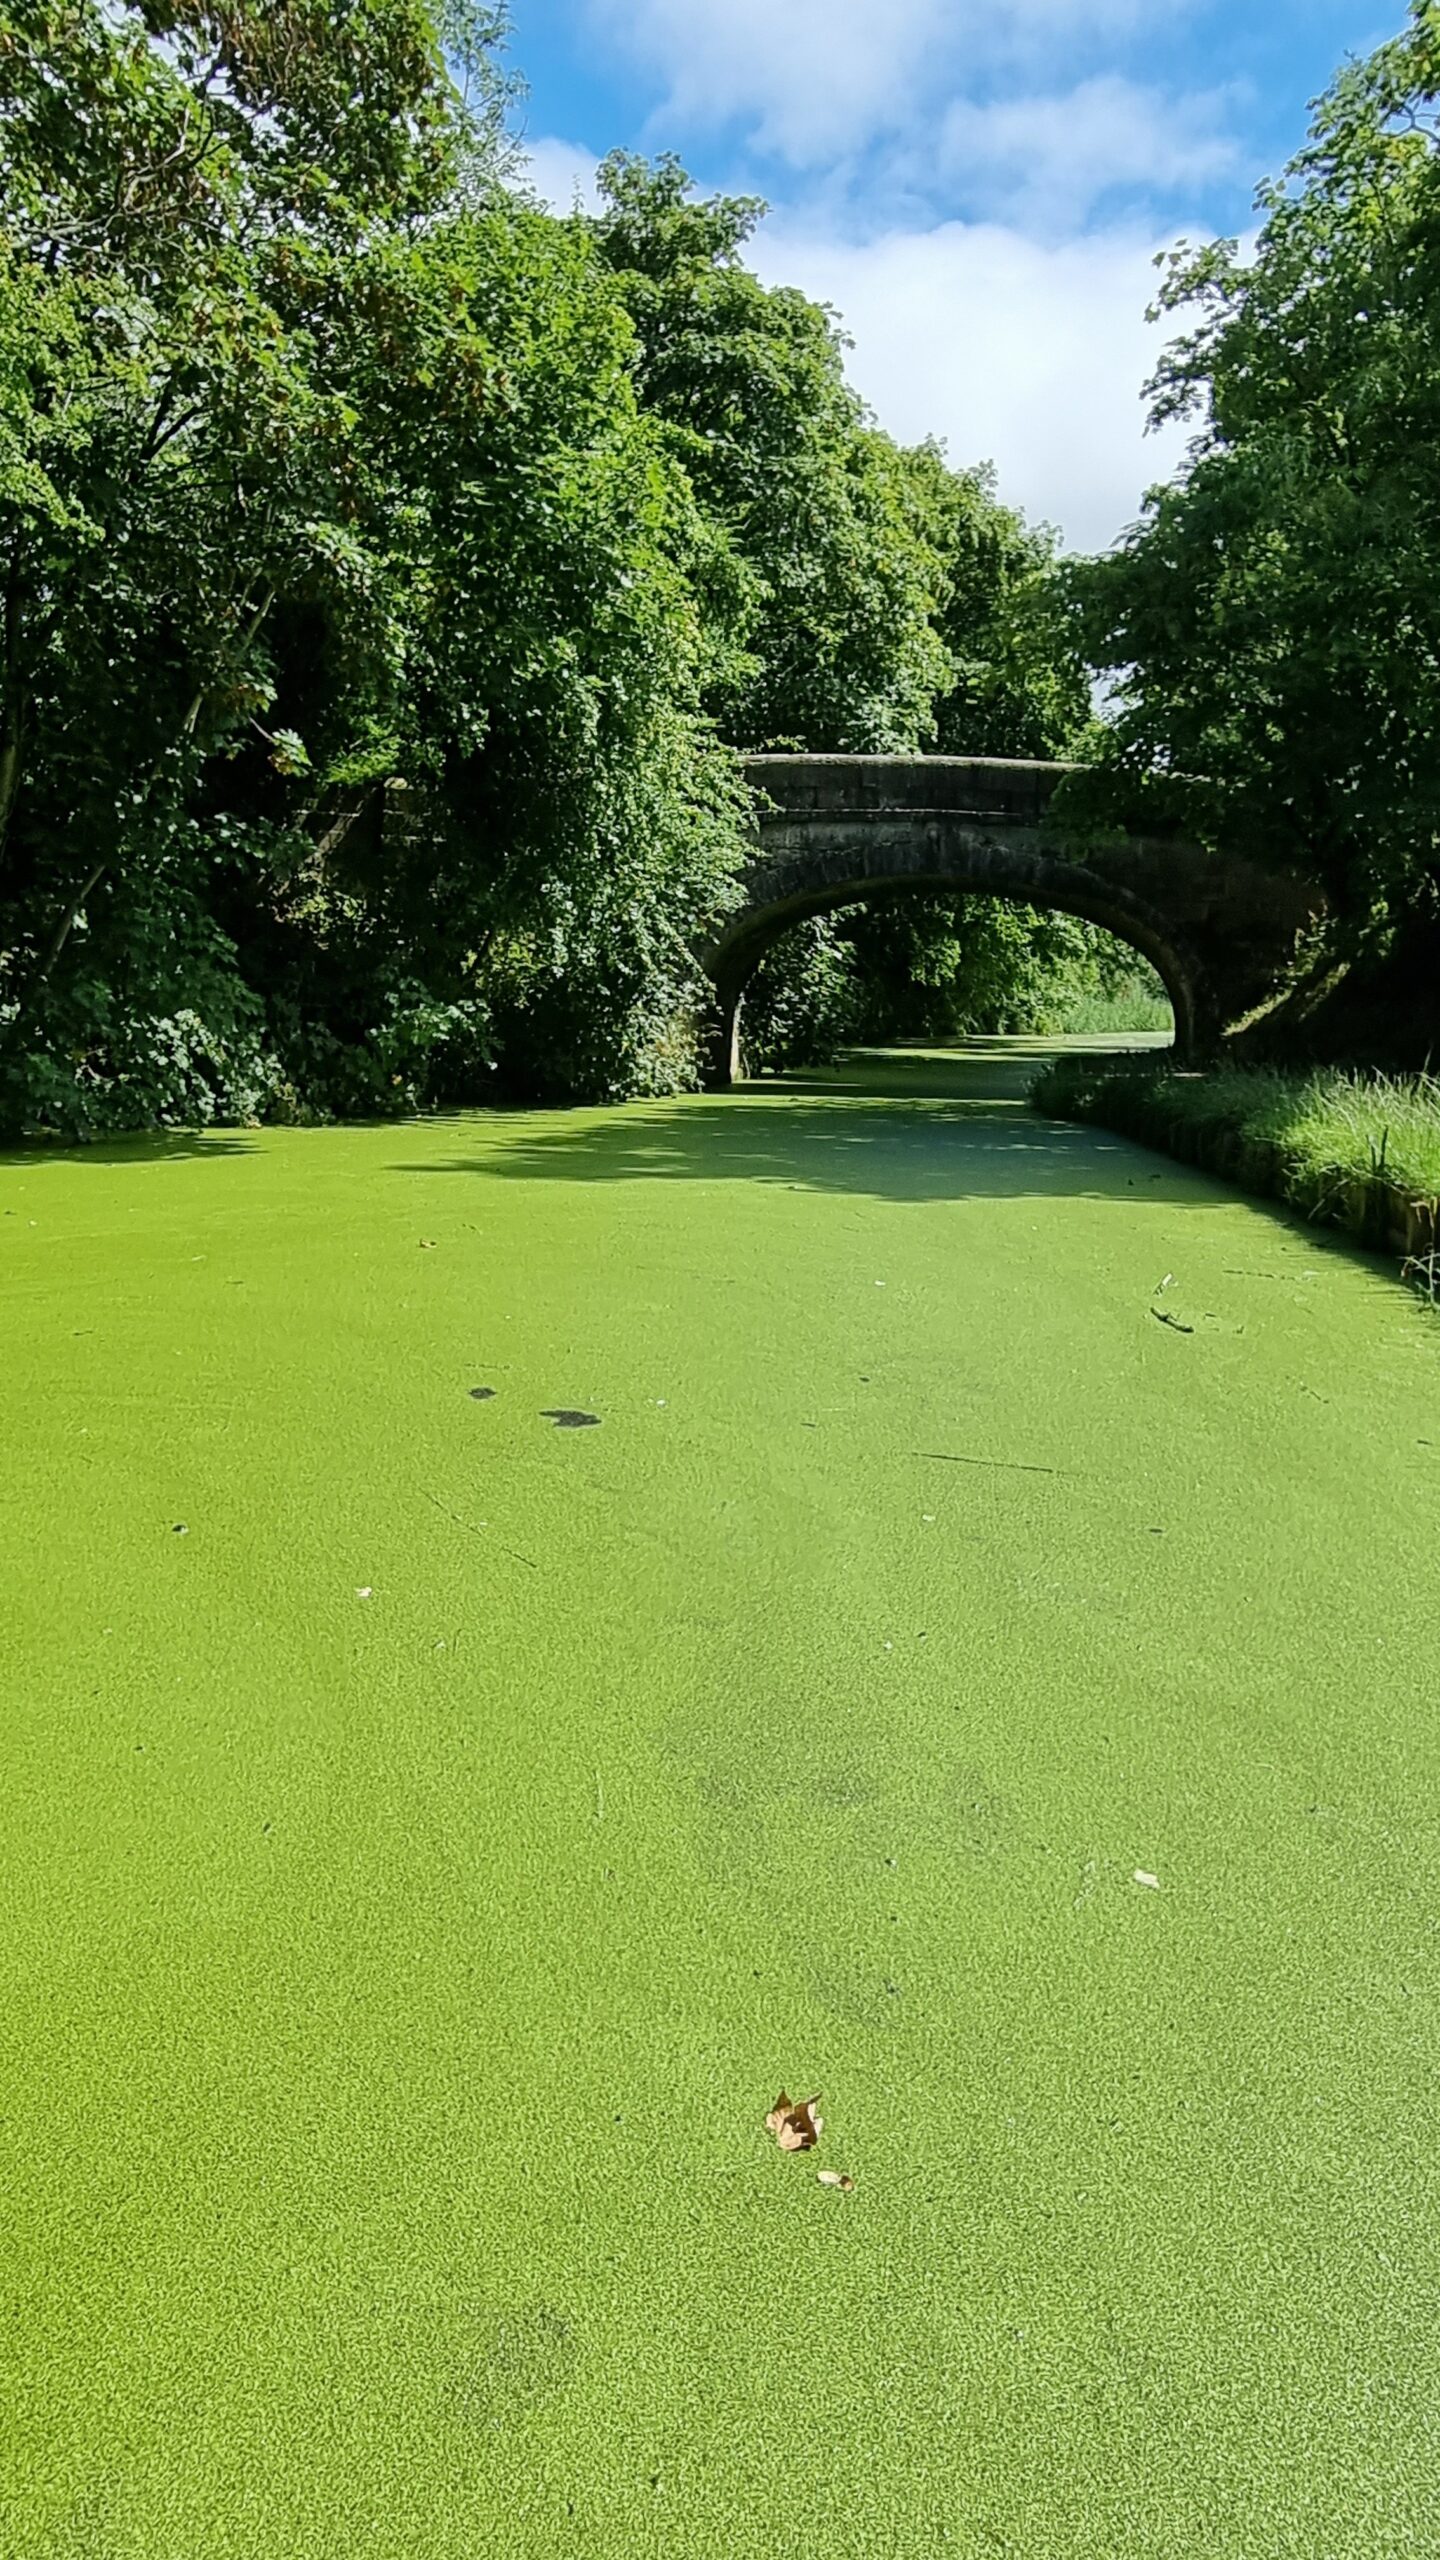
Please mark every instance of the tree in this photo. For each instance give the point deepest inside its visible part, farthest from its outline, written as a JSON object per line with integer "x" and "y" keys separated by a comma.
{"x": 173, "y": 465}
{"x": 824, "y": 584}
{"x": 320, "y": 465}
{"x": 1271, "y": 631}
{"x": 382, "y": 560}
{"x": 1018, "y": 683}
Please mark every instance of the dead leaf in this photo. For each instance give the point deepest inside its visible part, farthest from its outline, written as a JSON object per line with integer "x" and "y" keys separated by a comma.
{"x": 836, "y": 2178}
{"x": 795, "y": 2123}
{"x": 1143, "y": 1877}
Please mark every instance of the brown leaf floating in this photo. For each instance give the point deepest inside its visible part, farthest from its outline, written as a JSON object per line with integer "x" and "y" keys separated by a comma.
{"x": 796, "y": 2122}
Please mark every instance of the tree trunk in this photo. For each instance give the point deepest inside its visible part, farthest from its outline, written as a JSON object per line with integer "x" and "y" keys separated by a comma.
{"x": 64, "y": 928}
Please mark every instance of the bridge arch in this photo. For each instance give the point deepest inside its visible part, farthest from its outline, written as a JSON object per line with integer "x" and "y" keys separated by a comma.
{"x": 841, "y": 831}
{"x": 970, "y": 869}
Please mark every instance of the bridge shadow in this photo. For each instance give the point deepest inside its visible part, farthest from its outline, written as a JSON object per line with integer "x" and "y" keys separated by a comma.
{"x": 896, "y": 1125}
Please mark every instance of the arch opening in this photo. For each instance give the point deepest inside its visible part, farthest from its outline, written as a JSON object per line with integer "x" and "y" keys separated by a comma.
{"x": 926, "y": 969}
{"x": 1052, "y": 886}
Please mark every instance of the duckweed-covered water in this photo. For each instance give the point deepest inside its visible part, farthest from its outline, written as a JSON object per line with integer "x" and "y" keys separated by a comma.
{"x": 435, "y": 1824}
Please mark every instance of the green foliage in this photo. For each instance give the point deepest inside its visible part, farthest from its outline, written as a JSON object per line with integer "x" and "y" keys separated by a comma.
{"x": 322, "y": 464}
{"x": 1136, "y": 1002}
{"x": 1273, "y": 626}
{"x": 1018, "y": 684}
{"x": 941, "y": 969}
{"x": 152, "y": 1024}
{"x": 825, "y": 637}
{"x": 877, "y": 601}
{"x": 803, "y": 1003}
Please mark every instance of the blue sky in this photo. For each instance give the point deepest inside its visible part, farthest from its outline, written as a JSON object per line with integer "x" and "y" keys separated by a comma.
{"x": 978, "y": 186}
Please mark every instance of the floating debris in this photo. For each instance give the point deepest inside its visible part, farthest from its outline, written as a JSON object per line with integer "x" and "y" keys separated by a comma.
{"x": 796, "y": 2123}
{"x": 1009, "y": 1466}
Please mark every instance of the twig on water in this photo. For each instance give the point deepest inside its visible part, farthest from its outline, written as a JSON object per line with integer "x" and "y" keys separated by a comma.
{"x": 1012, "y": 1466}
{"x": 474, "y": 1532}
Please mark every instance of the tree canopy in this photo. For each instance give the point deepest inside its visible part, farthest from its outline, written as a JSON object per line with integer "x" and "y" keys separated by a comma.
{"x": 876, "y": 601}
{"x": 1271, "y": 629}
{"x": 321, "y": 467}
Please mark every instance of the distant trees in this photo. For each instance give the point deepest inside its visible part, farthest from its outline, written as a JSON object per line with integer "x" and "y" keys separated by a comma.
{"x": 940, "y": 970}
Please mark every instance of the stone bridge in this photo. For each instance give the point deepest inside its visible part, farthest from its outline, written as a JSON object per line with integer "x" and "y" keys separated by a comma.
{"x": 833, "y": 830}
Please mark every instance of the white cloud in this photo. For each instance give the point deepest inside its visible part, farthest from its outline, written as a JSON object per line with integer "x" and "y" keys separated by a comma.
{"x": 812, "y": 79}
{"x": 1027, "y": 355}
{"x": 1047, "y": 160}
{"x": 561, "y": 173}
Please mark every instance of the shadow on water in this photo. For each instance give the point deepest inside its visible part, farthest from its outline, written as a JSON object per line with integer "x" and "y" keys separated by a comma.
{"x": 155, "y": 1146}
{"x": 899, "y": 1125}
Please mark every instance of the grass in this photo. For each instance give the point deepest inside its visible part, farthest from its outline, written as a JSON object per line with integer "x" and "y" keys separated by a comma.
{"x": 1358, "y": 1150}
{"x": 419, "y": 1877}
{"x": 1132, "y": 1009}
